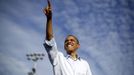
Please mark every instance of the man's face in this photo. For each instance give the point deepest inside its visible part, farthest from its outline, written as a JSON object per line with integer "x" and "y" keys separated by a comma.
{"x": 71, "y": 44}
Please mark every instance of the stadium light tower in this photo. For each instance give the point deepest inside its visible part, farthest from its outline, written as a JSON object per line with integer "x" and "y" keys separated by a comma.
{"x": 34, "y": 57}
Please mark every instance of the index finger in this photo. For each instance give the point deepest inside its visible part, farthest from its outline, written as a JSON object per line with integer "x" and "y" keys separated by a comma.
{"x": 49, "y": 4}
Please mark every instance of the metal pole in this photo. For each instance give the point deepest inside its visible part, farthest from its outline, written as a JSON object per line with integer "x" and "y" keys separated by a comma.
{"x": 34, "y": 57}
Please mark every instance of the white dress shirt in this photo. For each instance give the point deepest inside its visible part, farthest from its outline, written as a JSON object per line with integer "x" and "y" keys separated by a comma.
{"x": 65, "y": 65}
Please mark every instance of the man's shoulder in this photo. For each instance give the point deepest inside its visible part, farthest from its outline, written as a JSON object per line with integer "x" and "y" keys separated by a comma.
{"x": 60, "y": 53}
{"x": 83, "y": 60}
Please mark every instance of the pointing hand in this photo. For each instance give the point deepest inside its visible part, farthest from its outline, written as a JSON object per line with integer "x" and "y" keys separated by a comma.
{"x": 48, "y": 10}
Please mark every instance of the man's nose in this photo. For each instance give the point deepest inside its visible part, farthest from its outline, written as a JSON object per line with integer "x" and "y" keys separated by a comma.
{"x": 69, "y": 41}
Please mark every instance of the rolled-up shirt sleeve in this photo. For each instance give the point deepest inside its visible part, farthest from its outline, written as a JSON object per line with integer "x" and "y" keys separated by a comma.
{"x": 51, "y": 48}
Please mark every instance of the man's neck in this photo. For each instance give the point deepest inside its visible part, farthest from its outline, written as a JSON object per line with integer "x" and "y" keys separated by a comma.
{"x": 73, "y": 55}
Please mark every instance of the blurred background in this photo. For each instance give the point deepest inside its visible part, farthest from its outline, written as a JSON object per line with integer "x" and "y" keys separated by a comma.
{"x": 105, "y": 29}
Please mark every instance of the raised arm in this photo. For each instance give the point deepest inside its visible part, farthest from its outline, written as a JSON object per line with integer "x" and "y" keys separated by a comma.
{"x": 49, "y": 30}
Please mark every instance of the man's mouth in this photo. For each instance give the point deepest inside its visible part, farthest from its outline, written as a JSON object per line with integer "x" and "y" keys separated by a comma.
{"x": 70, "y": 45}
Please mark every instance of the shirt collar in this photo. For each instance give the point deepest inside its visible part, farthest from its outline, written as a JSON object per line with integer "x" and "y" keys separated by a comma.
{"x": 69, "y": 56}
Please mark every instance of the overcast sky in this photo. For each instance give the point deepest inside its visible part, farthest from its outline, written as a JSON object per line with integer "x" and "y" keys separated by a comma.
{"x": 105, "y": 29}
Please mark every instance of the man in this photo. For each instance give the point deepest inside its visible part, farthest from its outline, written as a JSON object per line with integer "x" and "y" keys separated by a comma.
{"x": 72, "y": 64}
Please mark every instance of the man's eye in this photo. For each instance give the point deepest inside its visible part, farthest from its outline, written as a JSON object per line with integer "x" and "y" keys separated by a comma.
{"x": 72, "y": 40}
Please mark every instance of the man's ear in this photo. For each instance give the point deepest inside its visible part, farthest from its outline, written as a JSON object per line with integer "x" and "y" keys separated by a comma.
{"x": 78, "y": 45}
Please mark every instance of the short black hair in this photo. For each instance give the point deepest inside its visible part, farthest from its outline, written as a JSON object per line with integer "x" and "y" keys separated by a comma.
{"x": 75, "y": 38}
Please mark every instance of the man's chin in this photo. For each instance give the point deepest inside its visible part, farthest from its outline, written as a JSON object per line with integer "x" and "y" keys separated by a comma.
{"x": 69, "y": 50}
